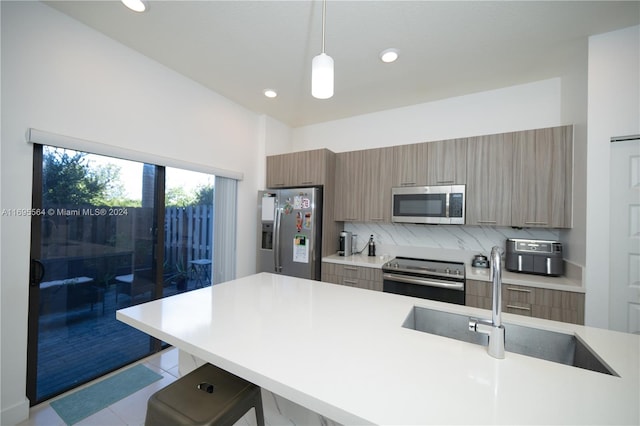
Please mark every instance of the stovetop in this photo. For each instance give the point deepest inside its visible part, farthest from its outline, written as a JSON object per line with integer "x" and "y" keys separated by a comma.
{"x": 425, "y": 267}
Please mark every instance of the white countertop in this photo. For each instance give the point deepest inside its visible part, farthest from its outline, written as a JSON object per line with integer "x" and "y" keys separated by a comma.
{"x": 531, "y": 280}
{"x": 341, "y": 352}
{"x": 480, "y": 274}
{"x": 358, "y": 260}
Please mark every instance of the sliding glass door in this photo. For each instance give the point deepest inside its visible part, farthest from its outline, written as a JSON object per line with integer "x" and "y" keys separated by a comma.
{"x": 93, "y": 251}
{"x": 97, "y": 245}
{"x": 188, "y": 230}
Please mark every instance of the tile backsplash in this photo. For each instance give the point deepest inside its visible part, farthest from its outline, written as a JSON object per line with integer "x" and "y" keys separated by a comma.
{"x": 446, "y": 242}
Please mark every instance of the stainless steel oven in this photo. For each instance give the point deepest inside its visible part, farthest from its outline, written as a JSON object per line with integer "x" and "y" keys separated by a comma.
{"x": 427, "y": 279}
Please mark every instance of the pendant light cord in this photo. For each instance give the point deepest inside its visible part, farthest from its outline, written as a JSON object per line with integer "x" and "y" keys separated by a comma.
{"x": 324, "y": 13}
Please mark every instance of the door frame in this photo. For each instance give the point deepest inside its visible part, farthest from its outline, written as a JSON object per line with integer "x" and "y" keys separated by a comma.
{"x": 36, "y": 272}
{"x": 34, "y": 293}
{"x": 620, "y": 294}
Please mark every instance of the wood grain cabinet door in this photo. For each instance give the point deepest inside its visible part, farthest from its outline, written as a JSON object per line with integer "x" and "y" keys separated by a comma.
{"x": 352, "y": 276}
{"x": 349, "y": 186}
{"x": 542, "y": 190}
{"x": 447, "y": 162}
{"x": 377, "y": 184}
{"x": 304, "y": 168}
{"x": 409, "y": 165}
{"x": 278, "y": 171}
{"x": 309, "y": 167}
{"x": 517, "y": 299}
{"x": 556, "y": 305}
{"x": 489, "y": 180}
{"x": 478, "y": 294}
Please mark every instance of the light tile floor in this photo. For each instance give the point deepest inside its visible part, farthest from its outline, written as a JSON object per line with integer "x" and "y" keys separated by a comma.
{"x": 132, "y": 410}
{"x": 128, "y": 411}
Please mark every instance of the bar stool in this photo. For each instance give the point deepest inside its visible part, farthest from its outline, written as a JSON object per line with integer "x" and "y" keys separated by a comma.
{"x": 206, "y": 396}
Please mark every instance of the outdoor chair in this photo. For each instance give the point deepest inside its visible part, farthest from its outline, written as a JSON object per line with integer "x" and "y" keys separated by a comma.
{"x": 136, "y": 284}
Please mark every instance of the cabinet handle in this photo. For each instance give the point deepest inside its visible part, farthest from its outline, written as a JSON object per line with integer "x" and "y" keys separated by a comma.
{"x": 487, "y": 221}
{"x": 536, "y": 223}
{"x": 350, "y": 281}
{"x": 351, "y": 268}
{"x": 445, "y": 181}
{"x": 376, "y": 218}
{"x": 522, "y": 308}
{"x": 407, "y": 183}
{"x": 350, "y": 219}
{"x": 521, "y": 290}
{"x": 309, "y": 182}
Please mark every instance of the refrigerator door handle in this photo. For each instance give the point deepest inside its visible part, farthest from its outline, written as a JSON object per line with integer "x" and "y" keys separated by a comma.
{"x": 276, "y": 246}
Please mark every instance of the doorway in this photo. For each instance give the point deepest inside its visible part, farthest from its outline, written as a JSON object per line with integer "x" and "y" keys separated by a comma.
{"x": 99, "y": 243}
{"x": 625, "y": 235}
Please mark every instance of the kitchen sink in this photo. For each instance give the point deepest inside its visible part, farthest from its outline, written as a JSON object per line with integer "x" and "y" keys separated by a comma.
{"x": 562, "y": 348}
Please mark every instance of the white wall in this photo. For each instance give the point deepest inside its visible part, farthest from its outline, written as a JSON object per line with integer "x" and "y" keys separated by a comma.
{"x": 278, "y": 137}
{"x": 613, "y": 110}
{"x": 63, "y": 77}
{"x": 275, "y": 139}
{"x": 527, "y": 106}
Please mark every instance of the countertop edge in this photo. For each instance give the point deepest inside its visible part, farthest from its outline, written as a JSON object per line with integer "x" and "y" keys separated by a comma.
{"x": 365, "y": 329}
{"x": 358, "y": 260}
{"x": 529, "y": 280}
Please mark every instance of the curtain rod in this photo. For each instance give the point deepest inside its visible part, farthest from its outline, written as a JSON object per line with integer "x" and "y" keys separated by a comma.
{"x": 68, "y": 142}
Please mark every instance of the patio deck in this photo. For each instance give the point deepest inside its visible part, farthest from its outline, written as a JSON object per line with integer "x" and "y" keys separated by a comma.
{"x": 87, "y": 341}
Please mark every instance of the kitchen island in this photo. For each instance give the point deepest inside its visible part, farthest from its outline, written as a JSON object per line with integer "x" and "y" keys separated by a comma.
{"x": 343, "y": 353}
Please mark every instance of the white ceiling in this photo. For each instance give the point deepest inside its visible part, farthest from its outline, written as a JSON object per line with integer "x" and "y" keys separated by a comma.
{"x": 447, "y": 48}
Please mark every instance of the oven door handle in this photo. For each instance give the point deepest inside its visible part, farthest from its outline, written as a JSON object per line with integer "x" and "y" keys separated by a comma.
{"x": 423, "y": 281}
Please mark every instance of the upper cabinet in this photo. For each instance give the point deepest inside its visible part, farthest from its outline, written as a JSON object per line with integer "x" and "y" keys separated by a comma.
{"x": 377, "y": 184}
{"x": 279, "y": 170}
{"x": 409, "y": 165}
{"x": 520, "y": 179}
{"x": 543, "y": 178}
{"x": 309, "y": 168}
{"x": 489, "y": 180}
{"x": 349, "y": 184}
{"x": 446, "y": 162}
{"x": 430, "y": 163}
{"x": 304, "y": 168}
{"x": 363, "y": 185}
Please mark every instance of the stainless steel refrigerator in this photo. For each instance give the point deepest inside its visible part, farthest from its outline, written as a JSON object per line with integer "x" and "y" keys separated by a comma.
{"x": 290, "y": 232}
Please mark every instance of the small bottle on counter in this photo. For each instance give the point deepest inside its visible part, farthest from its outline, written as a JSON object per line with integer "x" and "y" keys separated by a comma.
{"x": 372, "y": 246}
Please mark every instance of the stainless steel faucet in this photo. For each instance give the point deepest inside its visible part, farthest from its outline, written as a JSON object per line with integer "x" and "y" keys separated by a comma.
{"x": 493, "y": 328}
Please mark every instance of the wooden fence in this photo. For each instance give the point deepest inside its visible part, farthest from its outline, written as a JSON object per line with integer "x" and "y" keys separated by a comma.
{"x": 188, "y": 234}
{"x": 101, "y": 244}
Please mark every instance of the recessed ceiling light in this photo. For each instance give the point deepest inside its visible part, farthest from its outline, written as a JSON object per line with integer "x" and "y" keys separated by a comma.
{"x": 389, "y": 55}
{"x": 135, "y": 5}
{"x": 270, "y": 93}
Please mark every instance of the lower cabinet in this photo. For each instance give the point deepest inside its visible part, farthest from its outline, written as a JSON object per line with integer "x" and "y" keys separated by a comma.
{"x": 557, "y": 305}
{"x": 354, "y": 276}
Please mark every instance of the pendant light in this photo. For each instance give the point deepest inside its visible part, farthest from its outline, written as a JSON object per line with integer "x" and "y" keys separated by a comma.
{"x": 322, "y": 68}
{"x": 135, "y": 5}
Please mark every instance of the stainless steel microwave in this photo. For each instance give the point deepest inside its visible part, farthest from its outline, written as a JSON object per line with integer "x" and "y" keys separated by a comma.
{"x": 442, "y": 204}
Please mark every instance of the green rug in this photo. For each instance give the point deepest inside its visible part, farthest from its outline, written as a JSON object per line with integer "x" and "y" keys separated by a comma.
{"x": 85, "y": 402}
